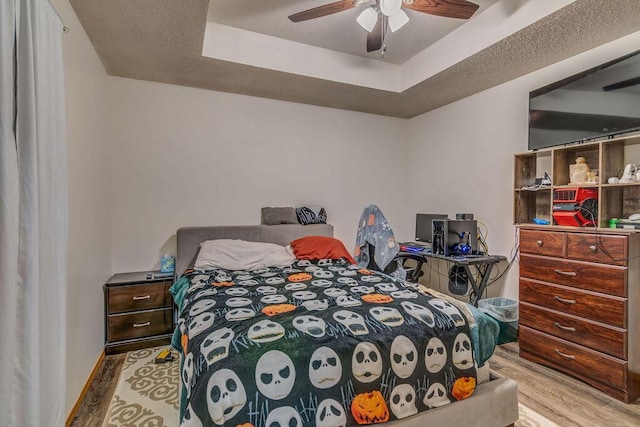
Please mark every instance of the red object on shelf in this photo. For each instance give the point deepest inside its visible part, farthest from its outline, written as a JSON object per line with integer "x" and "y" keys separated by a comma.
{"x": 577, "y": 207}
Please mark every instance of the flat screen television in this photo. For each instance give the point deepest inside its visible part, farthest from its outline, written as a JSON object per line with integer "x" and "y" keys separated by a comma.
{"x": 602, "y": 101}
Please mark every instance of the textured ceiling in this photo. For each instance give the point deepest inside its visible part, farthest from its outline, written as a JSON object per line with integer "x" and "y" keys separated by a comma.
{"x": 340, "y": 31}
{"x": 161, "y": 40}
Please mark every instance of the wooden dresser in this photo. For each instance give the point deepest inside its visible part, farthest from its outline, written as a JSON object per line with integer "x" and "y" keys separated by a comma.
{"x": 580, "y": 305}
{"x": 138, "y": 311}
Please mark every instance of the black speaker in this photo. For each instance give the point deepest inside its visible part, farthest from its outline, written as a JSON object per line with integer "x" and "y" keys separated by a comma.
{"x": 458, "y": 280}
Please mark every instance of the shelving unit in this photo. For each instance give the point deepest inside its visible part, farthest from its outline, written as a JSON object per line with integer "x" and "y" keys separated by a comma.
{"x": 577, "y": 302}
{"x": 608, "y": 158}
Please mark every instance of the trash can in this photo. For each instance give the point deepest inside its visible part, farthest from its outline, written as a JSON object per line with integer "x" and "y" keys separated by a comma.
{"x": 505, "y": 311}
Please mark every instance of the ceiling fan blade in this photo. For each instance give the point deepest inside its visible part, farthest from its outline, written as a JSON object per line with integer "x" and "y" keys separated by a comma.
{"x": 376, "y": 37}
{"x": 324, "y": 10}
{"x": 621, "y": 85}
{"x": 448, "y": 8}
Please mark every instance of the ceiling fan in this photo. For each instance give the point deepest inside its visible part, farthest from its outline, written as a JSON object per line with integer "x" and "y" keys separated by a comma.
{"x": 623, "y": 84}
{"x": 389, "y": 14}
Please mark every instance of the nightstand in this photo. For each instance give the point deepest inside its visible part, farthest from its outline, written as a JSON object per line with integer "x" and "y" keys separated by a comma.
{"x": 138, "y": 311}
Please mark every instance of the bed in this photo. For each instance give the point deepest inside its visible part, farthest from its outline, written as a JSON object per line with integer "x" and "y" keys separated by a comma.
{"x": 323, "y": 342}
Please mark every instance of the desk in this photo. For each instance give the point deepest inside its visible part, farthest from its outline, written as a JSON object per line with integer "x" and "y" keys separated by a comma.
{"x": 482, "y": 263}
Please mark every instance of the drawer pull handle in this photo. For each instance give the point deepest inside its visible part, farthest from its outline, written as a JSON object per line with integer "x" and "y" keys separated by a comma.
{"x": 565, "y": 273}
{"x": 141, "y": 297}
{"x": 593, "y": 248}
{"x": 564, "y": 328}
{"x": 564, "y": 301}
{"x": 565, "y": 356}
{"x": 539, "y": 243}
{"x": 140, "y": 325}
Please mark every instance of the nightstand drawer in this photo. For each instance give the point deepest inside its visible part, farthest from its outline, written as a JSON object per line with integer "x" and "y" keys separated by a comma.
{"x": 597, "y": 336}
{"x": 138, "y": 297}
{"x": 139, "y": 324}
{"x": 584, "y": 275}
{"x": 601, "y": 308}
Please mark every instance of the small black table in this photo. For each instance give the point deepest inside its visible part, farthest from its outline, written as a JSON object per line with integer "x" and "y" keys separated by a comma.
{"x": 482, "y": 263}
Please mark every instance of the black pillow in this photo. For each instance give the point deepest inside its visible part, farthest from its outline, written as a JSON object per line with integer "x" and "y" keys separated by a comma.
{"x": 308, "y": 215}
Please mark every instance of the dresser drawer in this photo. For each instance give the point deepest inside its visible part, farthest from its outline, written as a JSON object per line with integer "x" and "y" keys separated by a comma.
{"x": 139, "y": 324}
{"x": 138, "y": 297}
{"x": 594, "y": 277}
{"x": 604, "y": 249}
{"x": 542, "y": 243}
{"x": 573, "y": 359}
{"x": 597, "y": 336}
{"x": 601, "y": 308}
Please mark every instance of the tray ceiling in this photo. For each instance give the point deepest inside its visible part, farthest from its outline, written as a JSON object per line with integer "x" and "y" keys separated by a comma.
{"x": 338, "y": 32}
{"x": 250, "y": 47}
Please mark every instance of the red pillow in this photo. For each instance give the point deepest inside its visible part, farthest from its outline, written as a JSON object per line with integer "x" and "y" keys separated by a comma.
{"x": 320, "y": 247}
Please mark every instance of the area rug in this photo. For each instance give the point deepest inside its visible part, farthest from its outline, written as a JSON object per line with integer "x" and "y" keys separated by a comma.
{"x": 530, "y": 418}
{"x": 147, "y": 395}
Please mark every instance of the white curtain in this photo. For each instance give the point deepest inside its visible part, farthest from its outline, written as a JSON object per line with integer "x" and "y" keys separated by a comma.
{"x": 33, "y": 215}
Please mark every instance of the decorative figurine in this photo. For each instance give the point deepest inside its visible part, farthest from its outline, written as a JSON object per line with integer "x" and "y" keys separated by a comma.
{"x": 581, "y": 173}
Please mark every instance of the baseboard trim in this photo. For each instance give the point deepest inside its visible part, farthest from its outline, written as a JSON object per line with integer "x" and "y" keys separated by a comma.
{"x": 87, "y": 384}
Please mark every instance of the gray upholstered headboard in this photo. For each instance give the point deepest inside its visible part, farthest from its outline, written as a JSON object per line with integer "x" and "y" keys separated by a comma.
{"x": 189, "y": 238}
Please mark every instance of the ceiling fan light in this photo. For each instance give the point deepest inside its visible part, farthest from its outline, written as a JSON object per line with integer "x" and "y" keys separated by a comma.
{"x": 368, "y": 19}
{"x": 397, "y": 20}
{"x": 389, "y": 7}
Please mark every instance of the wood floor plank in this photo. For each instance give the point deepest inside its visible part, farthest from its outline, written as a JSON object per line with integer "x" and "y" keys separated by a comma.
{"x": 559, "y": 397}
{"x": 96, "y": 402}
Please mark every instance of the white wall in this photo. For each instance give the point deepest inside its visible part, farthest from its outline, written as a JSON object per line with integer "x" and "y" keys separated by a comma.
{"x": 88, "y": 139}
{"x": 147, "y": 158}
{"x": 185, "y": 156}
{"x": 461, "y": 155}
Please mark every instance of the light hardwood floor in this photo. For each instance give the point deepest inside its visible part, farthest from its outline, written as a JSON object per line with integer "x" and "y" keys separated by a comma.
{"x": 95, "y": 404}
{"x": 562, "y": 399}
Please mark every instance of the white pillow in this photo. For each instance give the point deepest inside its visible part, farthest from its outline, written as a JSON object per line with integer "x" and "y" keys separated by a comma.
{"x": 242, "y": 255}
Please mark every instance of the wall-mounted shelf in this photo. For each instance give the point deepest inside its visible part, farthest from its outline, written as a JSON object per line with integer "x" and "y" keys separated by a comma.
{"x": 607, "y": 158}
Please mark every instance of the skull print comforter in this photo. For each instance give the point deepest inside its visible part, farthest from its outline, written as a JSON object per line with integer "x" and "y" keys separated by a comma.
{"x": 321, "y": 343}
